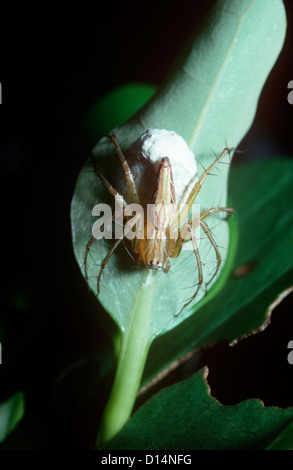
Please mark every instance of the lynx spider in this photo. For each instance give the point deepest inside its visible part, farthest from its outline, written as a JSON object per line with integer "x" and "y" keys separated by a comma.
{"x": 155, "y": 252}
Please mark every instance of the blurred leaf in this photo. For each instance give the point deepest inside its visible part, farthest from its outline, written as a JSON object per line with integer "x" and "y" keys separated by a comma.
{"x": 116, "y": 107}
{"x": 11, "y": 412}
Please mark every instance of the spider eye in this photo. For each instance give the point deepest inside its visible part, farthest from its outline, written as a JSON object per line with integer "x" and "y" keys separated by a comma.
{"x": 154, "y": 264}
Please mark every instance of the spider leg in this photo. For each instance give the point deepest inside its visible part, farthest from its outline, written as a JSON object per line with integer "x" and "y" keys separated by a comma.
{"x": 108, "y": 186}
{"x": 199, "y": 267}
{"x": 105, "y": 261}
{"x": 128, "y": 173}
{"x": 88, "y": 246}
{"x": 176, "y": 245}
{"x": 127, "y": 234}
{"x": 199, "y": 221}
{"x": 182, "y": 214}
{"x": 207, "y": 231}
{"x": 185, "y": 192}
{"x": 167, "y": 266}
{"x": 184, "y": 236}
{"x": 215, "y": 210}
{"x": 119, "y": 199}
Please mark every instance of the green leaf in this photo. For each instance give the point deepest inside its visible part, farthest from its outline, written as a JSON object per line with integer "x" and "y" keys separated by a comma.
{"x": 210, "y": 96}
{"x": 186, "y": 416}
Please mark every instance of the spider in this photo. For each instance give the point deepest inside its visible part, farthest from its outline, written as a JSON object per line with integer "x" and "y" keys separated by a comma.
{"x": 162, "y": 237}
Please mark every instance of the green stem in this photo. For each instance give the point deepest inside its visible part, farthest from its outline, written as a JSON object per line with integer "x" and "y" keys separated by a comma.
{"x": 134, "y": 347}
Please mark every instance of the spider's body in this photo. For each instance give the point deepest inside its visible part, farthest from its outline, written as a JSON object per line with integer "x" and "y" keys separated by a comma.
{"x": 168, "y": 225}
{"x": 154, "y": 247}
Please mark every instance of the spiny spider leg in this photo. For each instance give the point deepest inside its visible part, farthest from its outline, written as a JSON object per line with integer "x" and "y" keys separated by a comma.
{"x": 186, "y": 189}
{"x": 199, "y": 267}
{"x": 128, "y": 229}
{"x": 119, "y": 199}
{"x": 105, "y": 261}
{"x": 197, "y": 187}
{"x": 88, "y": 247}
{"x": 191, "y": 226}
{"x": 205, "y": 213}
{"x": 134, "y": 195}
{"x": 214, "y": 210}
{"x": 128, "y": 173}
{"x": 206, "y": 230}
{"x": 107, "y": 185}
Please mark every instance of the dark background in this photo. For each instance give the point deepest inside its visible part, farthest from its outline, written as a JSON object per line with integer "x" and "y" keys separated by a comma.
{"x": 55, "y": 66}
